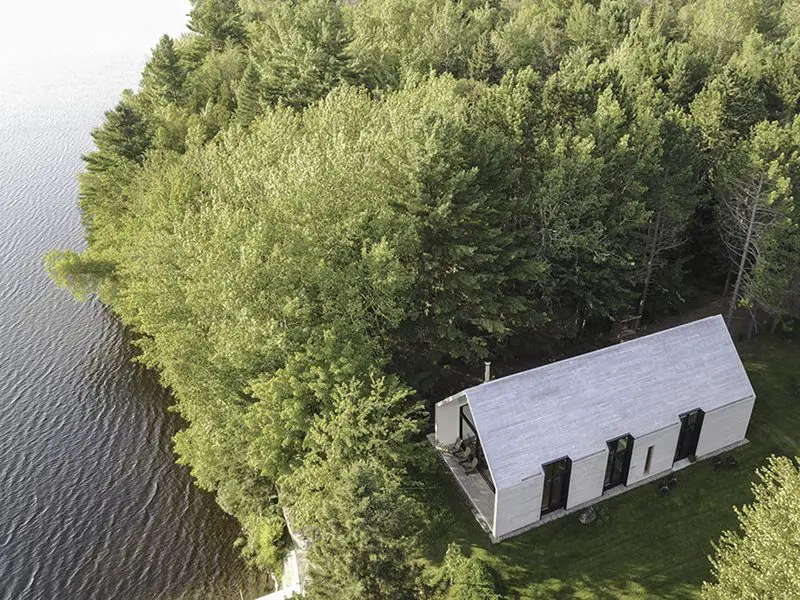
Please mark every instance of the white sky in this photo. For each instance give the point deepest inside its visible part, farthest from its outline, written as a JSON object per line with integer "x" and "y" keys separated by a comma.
{"x": 38, "y": 29}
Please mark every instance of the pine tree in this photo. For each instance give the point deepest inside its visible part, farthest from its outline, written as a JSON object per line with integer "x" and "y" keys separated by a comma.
{"x": 125, "y": 134}
{"x": 249, "y": 96}
{"x": 162, "y": 79}
{"x": 483, "y": 61}
{"x": 301, "y": 51}
{"x": 219, "y": 21}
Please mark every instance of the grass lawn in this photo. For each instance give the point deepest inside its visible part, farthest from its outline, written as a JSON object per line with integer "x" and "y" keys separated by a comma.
{"x": 646, "y": 546}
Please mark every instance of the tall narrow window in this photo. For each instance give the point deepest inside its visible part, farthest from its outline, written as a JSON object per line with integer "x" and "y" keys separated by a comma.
{"x": 691, "y": 424}
{"x": 556, "y": 484}
{"x": 619, "y": 461}
{"x": 648, "y": 461}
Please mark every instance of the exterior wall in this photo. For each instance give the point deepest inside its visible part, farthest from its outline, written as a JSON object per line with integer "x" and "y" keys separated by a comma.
{"x": 586, "y": 479}
{"x": 519, "y": 506}
{"x": 724, "y": 426}
{"x": 447, "y": 419}
{"x": 664, "y": 442}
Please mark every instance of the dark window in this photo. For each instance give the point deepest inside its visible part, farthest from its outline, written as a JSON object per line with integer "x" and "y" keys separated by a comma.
{"x": 469, "y": 434}
{"x": 619, "y": 460}
{"x": 466, "y": 430}
{"x": 556, "y": 484}
{"x": 648, "y": 461}
{"x": 691, "y": 424}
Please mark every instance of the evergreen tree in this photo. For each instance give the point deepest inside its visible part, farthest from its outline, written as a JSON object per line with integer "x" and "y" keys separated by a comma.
{"x": 122, "y": 144}
{"x": 125, "y": 135}
{"x": 466, "y": 578}
{"x": 163, "y": 76}
{"x": 248, "y": 96}
{"x": 483, "y": 60}
{"x": 219, "y": 21}
{"x": 301, "y": 51}
{"x": 363, "y": 530}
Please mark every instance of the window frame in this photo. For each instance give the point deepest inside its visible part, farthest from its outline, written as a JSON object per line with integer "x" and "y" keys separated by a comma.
{"x": 566, "y": 476}
{"x": 697, "y": 430}
{"x": 611, "y": 460}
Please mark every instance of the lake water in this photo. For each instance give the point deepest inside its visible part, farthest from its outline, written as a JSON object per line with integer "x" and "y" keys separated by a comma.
{"x": 92, "y": 504}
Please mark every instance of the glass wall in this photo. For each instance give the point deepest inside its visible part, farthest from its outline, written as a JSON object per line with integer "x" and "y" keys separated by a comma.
{"x": 469, "y": 434}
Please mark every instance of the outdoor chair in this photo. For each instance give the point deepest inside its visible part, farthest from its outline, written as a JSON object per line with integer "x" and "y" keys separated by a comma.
{"x": 467, "y": 456}
{"x": 457, "y": 447}
{"x": 727, "y": 462}
{"x": 471, "y": 466}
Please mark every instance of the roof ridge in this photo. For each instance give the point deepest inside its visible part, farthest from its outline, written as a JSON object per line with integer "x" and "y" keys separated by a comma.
{"x": 592, "y": 352}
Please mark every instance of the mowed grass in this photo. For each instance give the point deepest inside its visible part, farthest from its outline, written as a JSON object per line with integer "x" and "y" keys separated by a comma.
{"x": 644, "y": 545}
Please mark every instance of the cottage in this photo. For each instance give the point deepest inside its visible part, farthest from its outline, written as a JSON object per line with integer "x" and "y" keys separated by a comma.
{"x": 554, "y": 439}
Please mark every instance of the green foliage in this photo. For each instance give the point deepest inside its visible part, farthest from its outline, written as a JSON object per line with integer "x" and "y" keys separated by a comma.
{"x": 483, "y": 60}
{"x": 393, "y": 37}
{"x": 760, "y": 180}
{"x": 351, "y": 499}
{"x": 376, "y": 418}
{"x": 248, "y": 97}
{"x": 466, "y": 578}
{"x": 760, "y": 560}
{"x": 215, "y": 81}
{"x": 533, "y": 36}
{"x": 219, "y": 21}
{"x": 363, "y": 527}
{"x": 124, "y": 136}
{"x": 163, "y": 76}
{"x": 301, "y": 51}
{"x": 80, "y": 275}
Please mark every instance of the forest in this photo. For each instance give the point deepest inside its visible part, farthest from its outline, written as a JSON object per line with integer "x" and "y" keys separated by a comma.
{"x": 319, "y": 218}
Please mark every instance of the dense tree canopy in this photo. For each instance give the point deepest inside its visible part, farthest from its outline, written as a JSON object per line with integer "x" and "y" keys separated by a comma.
{"x": 311, "y": 210}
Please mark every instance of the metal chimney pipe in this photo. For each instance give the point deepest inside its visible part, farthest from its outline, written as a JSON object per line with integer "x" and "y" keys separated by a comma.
{"x": 487, "y": 373}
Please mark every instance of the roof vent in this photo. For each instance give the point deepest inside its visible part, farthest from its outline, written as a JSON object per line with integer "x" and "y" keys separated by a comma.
{"x": 487, "y": 372}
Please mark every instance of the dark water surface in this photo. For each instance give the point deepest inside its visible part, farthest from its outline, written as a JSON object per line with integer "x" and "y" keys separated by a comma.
{"x": 92, "y": 504}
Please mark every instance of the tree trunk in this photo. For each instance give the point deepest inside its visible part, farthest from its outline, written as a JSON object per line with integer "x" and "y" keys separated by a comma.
{"x": 752, "y": 325}
{"x": 745, "y": 251}
{"x": 727, "y": 283}
{"x": 775, "y": 321}
{"x": 650, "y": 260}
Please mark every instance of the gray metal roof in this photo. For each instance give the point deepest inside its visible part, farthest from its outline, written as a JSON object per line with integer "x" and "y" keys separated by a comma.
{"x": 572, "y": 407}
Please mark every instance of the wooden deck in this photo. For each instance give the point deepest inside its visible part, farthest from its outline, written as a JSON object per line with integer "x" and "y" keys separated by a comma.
{"x": 473, "y": 486}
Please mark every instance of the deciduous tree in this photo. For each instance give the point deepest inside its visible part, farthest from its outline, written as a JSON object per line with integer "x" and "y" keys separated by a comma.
{"x": 760, "y": 559}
